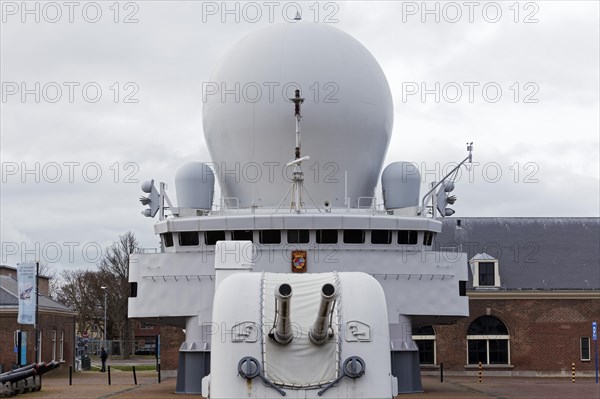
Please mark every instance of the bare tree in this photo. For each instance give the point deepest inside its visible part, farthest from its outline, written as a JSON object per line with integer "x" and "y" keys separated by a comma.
{"x": 114, "y": 274}
{"x": 80, "y": 290}
{"x": 53, "y": 282}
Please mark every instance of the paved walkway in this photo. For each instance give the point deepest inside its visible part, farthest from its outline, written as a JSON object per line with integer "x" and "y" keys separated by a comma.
{"x": 95, "y": 385}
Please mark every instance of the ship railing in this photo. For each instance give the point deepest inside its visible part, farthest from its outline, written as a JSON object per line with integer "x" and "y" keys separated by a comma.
{"x": 371, "y": 207}
{"x": 225, "y": 203}
{"x": 180, "y": 277}
{"x": 412, "y": 276}
{"x": 148, "y": 250}
{"x": 451, "y": 248}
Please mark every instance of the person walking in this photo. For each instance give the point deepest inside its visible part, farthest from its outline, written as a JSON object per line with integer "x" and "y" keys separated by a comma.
{"x": 103, "y": 357}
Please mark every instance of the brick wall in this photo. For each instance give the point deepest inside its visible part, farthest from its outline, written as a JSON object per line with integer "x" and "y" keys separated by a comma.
{"x": 544, "y": 333}
{"x": 48, "y": 323}
{"x": 171, "y": 339}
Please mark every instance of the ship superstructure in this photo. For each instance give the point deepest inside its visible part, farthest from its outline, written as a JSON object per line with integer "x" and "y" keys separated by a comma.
{"x": 298, "y": 211}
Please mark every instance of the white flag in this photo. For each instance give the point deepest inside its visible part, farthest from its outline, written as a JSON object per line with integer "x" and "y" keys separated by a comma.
{"x": 27, "y": 288}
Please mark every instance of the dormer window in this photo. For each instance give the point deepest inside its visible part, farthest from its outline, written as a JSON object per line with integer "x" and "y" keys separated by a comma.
{"x": 486, "y": 274}
{"x": 485, "y": 271}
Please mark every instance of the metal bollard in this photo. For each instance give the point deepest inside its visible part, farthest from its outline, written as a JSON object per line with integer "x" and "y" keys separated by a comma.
{"x": 108, "y": 375}
{"x": 134, "y": 376}
{"x": 441, "y": 372}
{"x": 480, "y": 372}
{"x": 159, "y": 373}
{"x": 573, "y": 373}
{"x": 70, "y": 375}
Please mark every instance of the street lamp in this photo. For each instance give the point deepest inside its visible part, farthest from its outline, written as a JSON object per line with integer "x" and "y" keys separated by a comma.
{"x": 104, "y": 331}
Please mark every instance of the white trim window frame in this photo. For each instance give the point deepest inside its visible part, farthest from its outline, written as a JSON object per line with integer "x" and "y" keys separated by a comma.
{"x": 476, "y": 263}
{"x": 589, "y": 349}
{"x": 428, "y": 338}
{"x": 61, "y": 347}
{"x": 39, "y": 343}
{"x": 53, "y": 345}
{"x": 487, "y": 339}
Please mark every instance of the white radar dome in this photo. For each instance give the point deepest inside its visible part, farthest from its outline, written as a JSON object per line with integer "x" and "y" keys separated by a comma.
{"x": 249, "y": 122}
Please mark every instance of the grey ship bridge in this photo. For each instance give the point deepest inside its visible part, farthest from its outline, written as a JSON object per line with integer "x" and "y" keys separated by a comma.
{"x": 299, "y": 227}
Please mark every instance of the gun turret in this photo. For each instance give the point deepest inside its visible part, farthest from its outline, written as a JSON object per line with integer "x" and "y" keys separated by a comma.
{"x": 282, "y": 326}
{"x": 319, "y": 333}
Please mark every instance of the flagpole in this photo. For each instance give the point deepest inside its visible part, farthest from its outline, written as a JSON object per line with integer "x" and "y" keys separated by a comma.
{"x": 37, "y": 323}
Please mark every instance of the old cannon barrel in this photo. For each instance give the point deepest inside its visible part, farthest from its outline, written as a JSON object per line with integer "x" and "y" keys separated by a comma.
{"x": 17, "y": 370}
{"x": 17, "y": 376}
{"x": 319, "y": 333}
{"x": 282, "y": 328}
{"x": 43, "y": 368}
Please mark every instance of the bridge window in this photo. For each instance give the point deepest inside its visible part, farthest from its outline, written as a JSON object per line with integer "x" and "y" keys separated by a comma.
{"x": 269, "y": 236}
{"x": 354, "y": 236}
{"x": 211, "y": 237}
{"x": 188, "y": 238}
{"x": 298, "y": 236}
{"x": 381, "y": 237}
{"x": 168, "y": 239}
{"x": 242, "y": 235}
{"x": 407, "y": 237}
{"x": 428, "y": 238}
{"x": 327, "y": 236}
{"x": 488, "y": 341}
{"x": 133, "y": 290}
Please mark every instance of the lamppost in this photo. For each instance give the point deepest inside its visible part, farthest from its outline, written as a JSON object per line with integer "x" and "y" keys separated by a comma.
{"x": 104, "y": 331}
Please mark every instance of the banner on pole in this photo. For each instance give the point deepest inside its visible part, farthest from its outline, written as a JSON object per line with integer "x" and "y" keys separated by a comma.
{"x": 27, "y": 288}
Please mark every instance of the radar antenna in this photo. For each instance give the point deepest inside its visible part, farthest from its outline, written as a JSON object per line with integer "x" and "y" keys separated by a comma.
{"x": 298, "y": 176}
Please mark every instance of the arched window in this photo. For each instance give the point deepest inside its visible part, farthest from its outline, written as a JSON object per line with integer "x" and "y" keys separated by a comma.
{"x": 424, "y": 337}
{"x": 488, "y": 341}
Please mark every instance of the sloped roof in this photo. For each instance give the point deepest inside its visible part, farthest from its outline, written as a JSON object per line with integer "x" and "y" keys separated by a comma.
{"x": 6, "y": 298}
{"x": 9, "y": 297}
{"x": 532, "y": 253}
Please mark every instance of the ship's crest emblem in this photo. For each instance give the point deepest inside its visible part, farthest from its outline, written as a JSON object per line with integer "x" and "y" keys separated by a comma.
{"x": 298, "y": 261}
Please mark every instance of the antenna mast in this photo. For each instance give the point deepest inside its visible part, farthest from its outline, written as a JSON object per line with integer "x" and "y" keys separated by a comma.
{"x": 298, "y": 175}
{"x": 297, "y": 100}
{"x": 298, "y": 179}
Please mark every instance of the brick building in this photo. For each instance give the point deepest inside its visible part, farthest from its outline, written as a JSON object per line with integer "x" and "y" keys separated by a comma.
{"x": 534, "y": 290}
{"x": 57, "y": 324}
{"x": 170, "y": 341}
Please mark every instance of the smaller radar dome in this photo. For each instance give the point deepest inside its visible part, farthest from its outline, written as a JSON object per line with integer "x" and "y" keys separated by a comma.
{"x": 195, "y": 186}
{"x": 401, "y": 182}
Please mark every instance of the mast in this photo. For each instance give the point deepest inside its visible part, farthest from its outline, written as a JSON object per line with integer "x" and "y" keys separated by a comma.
{"x": 298, "y": 175}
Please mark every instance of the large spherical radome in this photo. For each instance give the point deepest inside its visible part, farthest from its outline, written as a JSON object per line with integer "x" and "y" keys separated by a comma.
{"x": 249, "y": 123}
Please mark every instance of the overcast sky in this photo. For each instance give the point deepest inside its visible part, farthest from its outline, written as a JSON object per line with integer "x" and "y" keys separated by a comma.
{"x": 533, "y": 111}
